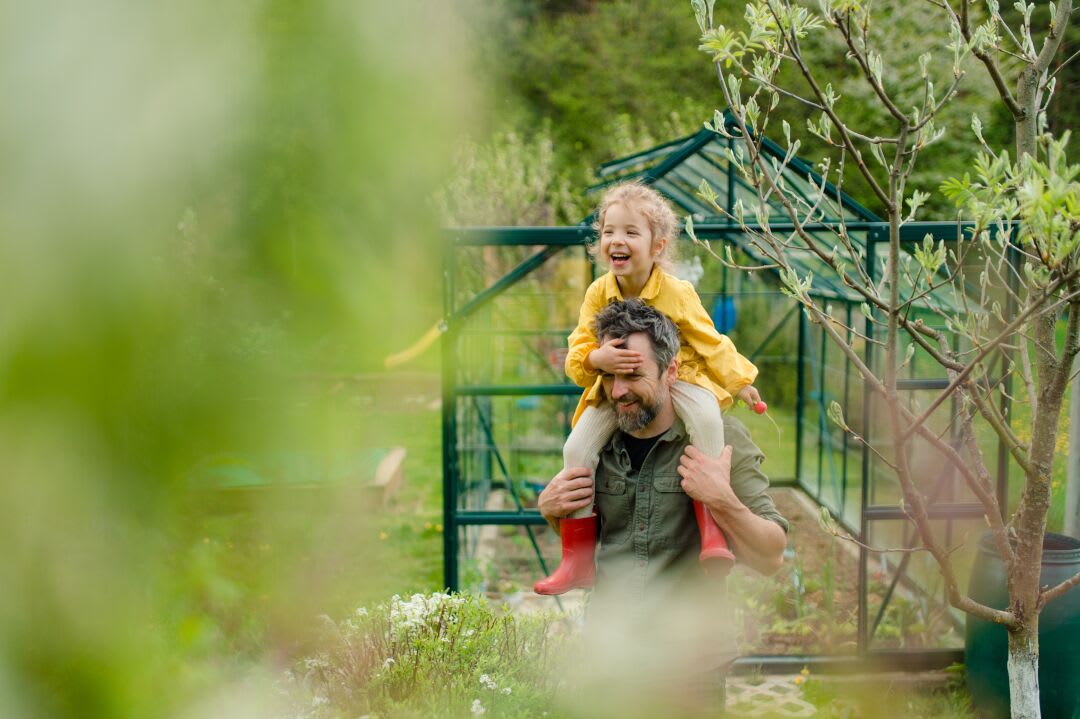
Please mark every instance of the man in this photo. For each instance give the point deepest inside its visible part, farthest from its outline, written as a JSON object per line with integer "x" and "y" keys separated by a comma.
{"x": 650, "y": 589}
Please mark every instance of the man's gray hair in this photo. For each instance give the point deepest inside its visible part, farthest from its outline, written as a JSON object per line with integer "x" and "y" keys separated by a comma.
{"x": 619, "y": 320}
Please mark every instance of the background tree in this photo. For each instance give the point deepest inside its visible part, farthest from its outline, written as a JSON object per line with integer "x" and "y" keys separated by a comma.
{"x": 1011, "y": 275}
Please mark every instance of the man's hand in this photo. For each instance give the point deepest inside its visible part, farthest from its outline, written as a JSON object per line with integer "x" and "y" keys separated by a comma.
{"x": 707, "y": 479}
{"x": 612, "y": 359}
{"x": 569, "y": 491}
{"x": 756, "y": 541}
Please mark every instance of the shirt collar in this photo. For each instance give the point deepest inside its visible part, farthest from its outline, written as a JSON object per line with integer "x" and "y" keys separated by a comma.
{"x": 612, "y": 293}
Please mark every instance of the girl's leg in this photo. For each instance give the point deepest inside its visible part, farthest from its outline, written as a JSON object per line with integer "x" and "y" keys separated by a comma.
{"x": 590, "y": 435}
{"x": 700, "y": 412}
{"x": 577, "y": 568}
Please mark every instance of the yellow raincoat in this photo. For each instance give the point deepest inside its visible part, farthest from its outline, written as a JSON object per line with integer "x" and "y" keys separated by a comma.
{"x": 706, "y": 357}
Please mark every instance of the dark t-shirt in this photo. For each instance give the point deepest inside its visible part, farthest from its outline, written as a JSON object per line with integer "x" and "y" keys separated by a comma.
{"x": 638, "y": 449}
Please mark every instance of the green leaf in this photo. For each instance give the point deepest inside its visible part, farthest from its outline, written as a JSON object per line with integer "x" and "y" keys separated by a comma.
{"x": 879, "y": 154}
{"x": 700, "y": 14}
{"x": 689, "y": 228}
{"x": 826, "y": 521}
{"x": 835, "y": 414}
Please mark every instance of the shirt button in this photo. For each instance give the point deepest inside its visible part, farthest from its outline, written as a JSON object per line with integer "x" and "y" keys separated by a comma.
{"x": 641, "y": 527}
{"x": 642, "y": 487}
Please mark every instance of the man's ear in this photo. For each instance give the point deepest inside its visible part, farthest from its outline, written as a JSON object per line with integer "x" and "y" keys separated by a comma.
{"x": 671, "y": 374}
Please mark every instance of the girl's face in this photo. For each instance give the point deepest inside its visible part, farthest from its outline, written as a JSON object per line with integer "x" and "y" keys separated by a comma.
{"x": 627, "y": 244}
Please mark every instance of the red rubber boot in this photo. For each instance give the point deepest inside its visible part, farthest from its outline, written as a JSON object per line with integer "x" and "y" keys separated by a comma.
{"x": 715, "y": 554}
{"x": 578, "y": 567}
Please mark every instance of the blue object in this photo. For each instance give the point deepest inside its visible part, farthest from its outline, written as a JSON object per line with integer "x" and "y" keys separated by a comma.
{"x": 723, "y": 314}
{"x": 528, "y": 403}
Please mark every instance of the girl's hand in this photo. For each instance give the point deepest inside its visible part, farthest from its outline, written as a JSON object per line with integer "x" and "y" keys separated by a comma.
{"x": 612, "y": 359}
{"x": 749, "y": 396}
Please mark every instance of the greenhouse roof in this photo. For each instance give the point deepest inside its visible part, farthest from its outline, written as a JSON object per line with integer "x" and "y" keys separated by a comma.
{"x": 678, "y": 168}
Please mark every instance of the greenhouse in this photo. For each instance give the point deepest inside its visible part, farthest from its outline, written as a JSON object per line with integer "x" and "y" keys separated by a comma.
{"x": 511, "y": 296}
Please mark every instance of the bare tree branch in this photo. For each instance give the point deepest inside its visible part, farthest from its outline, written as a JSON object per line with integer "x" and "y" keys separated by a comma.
{"x": 989, "y": 347}
{"x": 1049, "y": 595}
{"x": 877, "y": 87}
{"x": 1053, "y": 39}
{"x": 991, "y": 66}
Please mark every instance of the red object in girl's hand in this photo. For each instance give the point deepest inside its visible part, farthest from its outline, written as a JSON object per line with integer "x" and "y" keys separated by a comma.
{"x": 761, "y": 407}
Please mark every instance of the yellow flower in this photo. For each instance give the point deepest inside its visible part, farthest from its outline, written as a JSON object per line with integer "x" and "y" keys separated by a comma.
{"x": 438, "y": 527}
{"x": 805, "y": 671}
{"x": 383, "y": 535}
{"x": 800, "y": 680}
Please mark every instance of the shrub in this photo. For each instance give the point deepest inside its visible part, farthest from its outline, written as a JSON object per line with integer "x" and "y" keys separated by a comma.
{"x": 429, "y": 655}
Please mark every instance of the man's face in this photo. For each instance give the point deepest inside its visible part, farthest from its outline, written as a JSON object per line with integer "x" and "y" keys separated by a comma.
{"x": 641, "y": 395}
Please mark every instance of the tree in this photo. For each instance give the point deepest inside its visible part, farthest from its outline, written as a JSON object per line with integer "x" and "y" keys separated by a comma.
{"x": 1010, "y": 273}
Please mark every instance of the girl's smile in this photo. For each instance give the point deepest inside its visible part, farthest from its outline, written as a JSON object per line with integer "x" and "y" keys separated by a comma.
{"x": 626, "y": 244}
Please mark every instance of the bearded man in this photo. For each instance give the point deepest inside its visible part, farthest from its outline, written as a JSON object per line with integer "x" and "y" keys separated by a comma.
{"x": 664, "y": 614}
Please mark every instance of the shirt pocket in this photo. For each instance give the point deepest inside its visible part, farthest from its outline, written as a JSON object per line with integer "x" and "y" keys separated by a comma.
{"x": 673, "y": 523}
{"x": 613, "y": 504}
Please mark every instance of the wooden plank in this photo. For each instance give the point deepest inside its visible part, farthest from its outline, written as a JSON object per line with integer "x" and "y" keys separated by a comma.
{"x": 389, "y": 474}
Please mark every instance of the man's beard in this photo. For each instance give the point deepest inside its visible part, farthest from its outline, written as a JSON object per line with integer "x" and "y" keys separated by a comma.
{"x": 641, "y": 416}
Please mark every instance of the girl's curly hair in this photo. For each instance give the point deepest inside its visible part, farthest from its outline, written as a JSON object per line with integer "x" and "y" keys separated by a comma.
{"x": 657, "y": 211}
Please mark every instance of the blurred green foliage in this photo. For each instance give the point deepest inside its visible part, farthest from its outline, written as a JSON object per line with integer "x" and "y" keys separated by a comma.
{"x": 613, "y": 77}
{"x": 211, "y": 214}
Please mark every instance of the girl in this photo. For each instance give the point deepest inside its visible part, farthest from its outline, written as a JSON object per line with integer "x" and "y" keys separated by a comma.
{"x": 636, "y": 227}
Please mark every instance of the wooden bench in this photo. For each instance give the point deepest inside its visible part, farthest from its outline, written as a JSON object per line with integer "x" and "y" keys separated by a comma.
{"x": 228, "y": 483}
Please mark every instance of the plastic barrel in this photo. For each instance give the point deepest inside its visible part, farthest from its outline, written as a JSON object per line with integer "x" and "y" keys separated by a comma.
{"x": 986, "y": 644}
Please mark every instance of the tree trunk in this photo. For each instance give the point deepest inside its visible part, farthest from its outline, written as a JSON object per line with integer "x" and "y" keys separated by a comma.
{"x": 1024, "y": 671}
{"x": 1027, "y": 126}
{"x": 1072, "y": 483}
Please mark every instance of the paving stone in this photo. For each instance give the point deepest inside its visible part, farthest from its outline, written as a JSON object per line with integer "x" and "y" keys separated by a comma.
{"x": 767, "y": 696}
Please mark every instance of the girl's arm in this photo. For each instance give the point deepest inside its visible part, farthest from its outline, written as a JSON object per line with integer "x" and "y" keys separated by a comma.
{"x": 582, "y": 341}
{"x": 724, "y": 363}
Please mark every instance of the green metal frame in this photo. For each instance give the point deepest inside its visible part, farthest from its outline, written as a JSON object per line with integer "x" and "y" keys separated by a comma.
{"x": 666, "y": 160}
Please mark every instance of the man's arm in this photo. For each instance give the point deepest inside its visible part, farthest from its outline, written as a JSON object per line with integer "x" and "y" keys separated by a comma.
{"x": 756, "y": 541}
{"x": 569, "y": 491}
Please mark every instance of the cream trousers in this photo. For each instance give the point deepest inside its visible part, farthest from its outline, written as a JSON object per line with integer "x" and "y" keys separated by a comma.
{"x": 696, "y": 406}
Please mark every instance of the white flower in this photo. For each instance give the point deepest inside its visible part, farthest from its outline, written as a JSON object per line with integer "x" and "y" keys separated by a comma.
{"x": 506, "y": 691}
{"x": 388, "y": 663}
{"x": 487, "y": 682}
{"x": 319, "y": 701}
{"x": 478, "y": 709}
{"x": 362, "y": 612}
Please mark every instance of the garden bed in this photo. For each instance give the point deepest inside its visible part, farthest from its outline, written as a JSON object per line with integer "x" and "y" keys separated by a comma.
{"x": 809, "y": 607}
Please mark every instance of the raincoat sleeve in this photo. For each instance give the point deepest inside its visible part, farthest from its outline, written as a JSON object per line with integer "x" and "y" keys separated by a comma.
{"x": 722, "y": 361}
{"x": 582, "y": 340}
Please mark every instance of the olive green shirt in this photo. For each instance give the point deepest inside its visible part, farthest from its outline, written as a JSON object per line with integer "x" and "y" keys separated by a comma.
{"x": 649, "y": 540}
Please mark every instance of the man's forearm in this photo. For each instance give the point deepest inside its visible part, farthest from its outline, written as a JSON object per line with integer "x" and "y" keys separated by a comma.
{"x": 757, "y": 542}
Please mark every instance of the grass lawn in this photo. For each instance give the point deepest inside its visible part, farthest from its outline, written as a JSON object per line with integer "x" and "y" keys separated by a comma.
{"x": 259, "y": 576}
